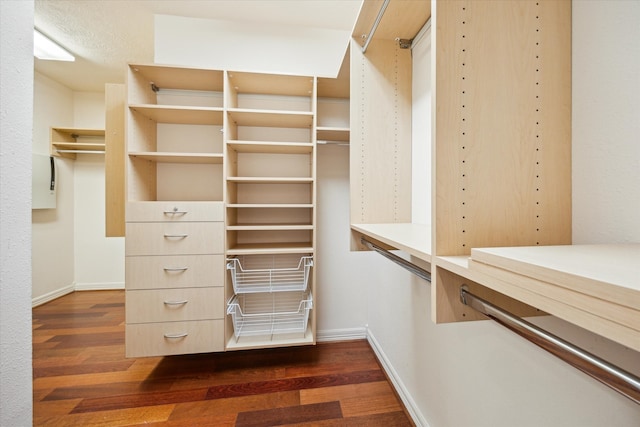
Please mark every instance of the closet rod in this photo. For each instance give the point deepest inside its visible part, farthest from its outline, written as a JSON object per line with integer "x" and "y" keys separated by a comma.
{"x": 610, "y": 375}
{"x": 374, "y": 27}
{"x": 420, "y": 272}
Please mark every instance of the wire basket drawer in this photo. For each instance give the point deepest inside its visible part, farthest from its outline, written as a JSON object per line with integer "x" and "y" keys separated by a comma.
{"x": 270, "y": 314}
{"x": 269, "y": 273}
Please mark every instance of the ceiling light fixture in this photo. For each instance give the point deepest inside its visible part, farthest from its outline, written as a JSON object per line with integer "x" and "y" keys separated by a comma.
{"x": 45, "y": 48}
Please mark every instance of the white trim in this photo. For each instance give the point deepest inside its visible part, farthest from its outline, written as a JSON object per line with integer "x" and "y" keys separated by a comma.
{"x": 341, "y": 334}
{"x": 108, "y": 286}
{"x": 395, "y": 379}
{"x": 42, "y": 299}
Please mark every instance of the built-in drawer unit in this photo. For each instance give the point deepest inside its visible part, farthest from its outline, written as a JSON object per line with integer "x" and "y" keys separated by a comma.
{"x": 169, "y": 338}
{"x": 172, "y": 305}
{"x": 179, "y": 238}
{"x": 174, "y": 271}
{"x": 174, "y": 211}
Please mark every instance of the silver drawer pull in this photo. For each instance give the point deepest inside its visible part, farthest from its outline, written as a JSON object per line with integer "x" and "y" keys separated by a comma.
{"x": 175, "y": 211}
{"x": 174, "y": 336}
{"x": 175, "y": 236}
{"x": 184, "y": 301}
{"x": 175, "y": 268}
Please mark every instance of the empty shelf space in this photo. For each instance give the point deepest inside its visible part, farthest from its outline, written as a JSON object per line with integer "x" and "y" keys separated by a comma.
{"x": 180, "y": 114}
{"x": 78, "y": 147}
{"x": 337, "y": 134}
{"x": 270, "y": 227}
{"x": 270, "y": 273}
{"x": 270, "y": 248}
{"x": 270, "y": 205}
{"x": 269, "y": 180}
{"x": 266, "y": 314}
{"x": 271, "y": 147}
{"x": 271, "y": 118}
{"x": 183, "y": 78}
{"x": 204, "y": 158}
{"x": 271, "y": 84}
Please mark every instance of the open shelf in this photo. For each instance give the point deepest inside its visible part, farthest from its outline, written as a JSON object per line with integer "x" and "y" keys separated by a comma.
{"x": 202, "y": 158}
{"x": 270, "y": 205}
{"x": 271, "y": 84}
{"x": 271, "y": 147}
{"x": 270, "y": 118}
{"x": 67, "y": 142}
{"x": 269, "y": 180}
{"x": 270, "y": 248}
{"x": 180, "y": 114}
{"x": 333, "y": 134}
{"x": 415, "y": 239}
{"x": 183, "y": 78}
{"x": 270, "y": 273}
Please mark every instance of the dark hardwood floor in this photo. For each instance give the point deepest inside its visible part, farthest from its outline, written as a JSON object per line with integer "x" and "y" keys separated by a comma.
{"x": 81, "y": 378}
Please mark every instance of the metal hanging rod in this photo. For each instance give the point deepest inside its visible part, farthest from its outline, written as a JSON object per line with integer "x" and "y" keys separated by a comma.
{"x": 612, "y": 376}
{"x": 374, "y": 27}
{"x": 420, "y": 272}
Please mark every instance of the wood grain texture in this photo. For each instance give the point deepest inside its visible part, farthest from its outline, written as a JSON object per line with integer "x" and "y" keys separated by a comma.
{"x": 82, "y": 378}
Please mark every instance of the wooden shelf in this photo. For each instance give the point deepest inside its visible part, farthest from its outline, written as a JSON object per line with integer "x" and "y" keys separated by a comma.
{"x": 271, "y": 205}
{"x": 271, "y": 84}
{"x": 67, "y": 142}
{"x": 184, "y": 78}
{"x": 333, "y": 134}
{"x": 269, "y": 180}
{"x": 415, "y": 239}
{"x": 271, "y": 147}
{"x": 269, "y": 227}
{"x": 180, "y": 114}
{"x": 271, "y": 118}
{"x": 246, "y": 343}
{"x": 271, "y": 248}
{"x": 159, "y": 157}
{"x": 592, "y": 286}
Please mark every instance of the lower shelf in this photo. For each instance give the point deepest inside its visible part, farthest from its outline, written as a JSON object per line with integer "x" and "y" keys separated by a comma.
{"x": 269, "y": 314}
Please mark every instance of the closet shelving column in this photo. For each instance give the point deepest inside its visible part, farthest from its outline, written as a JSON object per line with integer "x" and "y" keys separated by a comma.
{"x": 270, "y": 221}
{"x": 174, "y": 246}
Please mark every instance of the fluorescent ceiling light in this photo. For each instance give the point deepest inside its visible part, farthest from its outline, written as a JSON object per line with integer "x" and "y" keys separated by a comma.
{"x": 45, "y": 48}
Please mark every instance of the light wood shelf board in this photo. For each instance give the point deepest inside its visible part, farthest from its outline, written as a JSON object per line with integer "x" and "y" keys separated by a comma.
{"x": 269, "y": 180}
{"x": 333, "y": 134}
{"x": 608, "y": 272}
{"x": 180, "y": 114}
{"x": 402, "y": 19}
{"x": 269, "y": 227}
{"x": 271, "y": 147}
{"x": 271, "y": 248}
{"x": 159, "y": 157}
{"x": 247, "y": 343}
{"x": 79, "y": 146}
{"x": 185, "y": 78}
{"x": 270, "y": 118}
{"x": 271, "y": 84}
{"x": 271, "y": 205}
{"x": 415, "y": 239}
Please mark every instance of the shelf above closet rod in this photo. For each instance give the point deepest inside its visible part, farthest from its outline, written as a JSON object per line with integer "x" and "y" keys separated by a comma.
{"x": 610, "y": 375}
{"x": 420, "y": 272}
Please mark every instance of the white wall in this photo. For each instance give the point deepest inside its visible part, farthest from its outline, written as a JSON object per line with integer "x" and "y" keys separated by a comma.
{"x": 250, "y": 46}
{"x": 606, "y": 121}
{"x": 479, "y": 374}
{"x": 52, "y": 240}
{"x": 16, "y": 115}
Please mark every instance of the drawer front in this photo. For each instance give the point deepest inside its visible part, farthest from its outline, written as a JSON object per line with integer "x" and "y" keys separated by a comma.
{"x": 179, "y": 238}
{"x": 174, "y": 211}
{"x": 164, "y": 339}
{"x": 174, "y": 271}
{"x": 174, "y": 305}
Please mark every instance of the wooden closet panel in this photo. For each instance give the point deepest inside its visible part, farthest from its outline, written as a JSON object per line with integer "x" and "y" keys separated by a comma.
{"x": 114, "y": 159}
{"x": 502, "y": 129}
{"x": 381, "y": 102}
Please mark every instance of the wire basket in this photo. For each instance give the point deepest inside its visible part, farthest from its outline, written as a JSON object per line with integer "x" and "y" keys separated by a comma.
{"x": 269, "y": 273}
{"x": 269, "y": 314}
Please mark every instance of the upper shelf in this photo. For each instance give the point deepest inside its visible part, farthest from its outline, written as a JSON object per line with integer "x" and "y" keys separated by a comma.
{"x": 271, "y": 84}
{"x": 183, "y": 78}
{"x": 179, "y": 114}
{"x": 415, "y": 239}
{"x": 67, "y": 142}
{"x": 596, "y": 287}
{"x": 271, "y": 118}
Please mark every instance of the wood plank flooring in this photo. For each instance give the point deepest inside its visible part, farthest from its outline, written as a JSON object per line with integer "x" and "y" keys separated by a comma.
{"x": 81, "y": 378}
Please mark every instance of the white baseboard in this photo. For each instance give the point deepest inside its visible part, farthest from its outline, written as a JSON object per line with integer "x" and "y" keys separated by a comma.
{"x": 395, "y": 379}
{"x": 108, "y": 286}
{"x": 341, "y": 334}
{"x": 42, "y": 299}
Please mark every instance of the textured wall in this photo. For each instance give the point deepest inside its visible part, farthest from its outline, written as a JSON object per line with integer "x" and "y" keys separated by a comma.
{"x": 16, "y": 111}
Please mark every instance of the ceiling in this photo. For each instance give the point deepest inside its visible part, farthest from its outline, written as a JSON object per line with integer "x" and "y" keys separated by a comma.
{"x": 104, "y": 35}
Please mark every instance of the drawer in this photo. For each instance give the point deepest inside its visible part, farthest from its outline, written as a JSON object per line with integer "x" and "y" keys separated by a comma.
{"x": 164, "y": 339}
{"x": 174, "y": 238}
{"x": 174, "y": 211}
{"x": 174, "y": 271}
{"x": 173, "y": 305}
